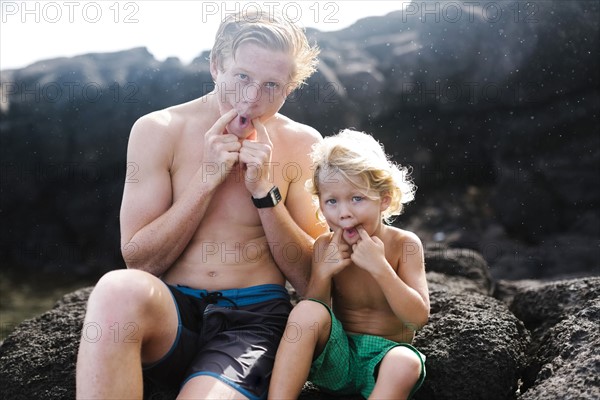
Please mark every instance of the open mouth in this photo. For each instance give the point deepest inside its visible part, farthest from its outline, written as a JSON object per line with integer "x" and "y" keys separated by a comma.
{"x": 351, "y": 232}
{"x": 244, "y": 121}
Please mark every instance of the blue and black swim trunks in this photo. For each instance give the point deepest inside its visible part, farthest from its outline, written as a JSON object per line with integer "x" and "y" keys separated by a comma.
{"x": 221, "y": 333}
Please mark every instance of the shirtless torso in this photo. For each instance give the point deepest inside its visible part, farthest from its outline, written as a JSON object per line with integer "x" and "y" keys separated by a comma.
{"x": 358, "y": 300}
{"x": 229, "y": 248}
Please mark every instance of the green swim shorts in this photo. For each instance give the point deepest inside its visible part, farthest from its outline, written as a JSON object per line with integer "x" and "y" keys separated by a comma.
{"x": 348, "y": 363}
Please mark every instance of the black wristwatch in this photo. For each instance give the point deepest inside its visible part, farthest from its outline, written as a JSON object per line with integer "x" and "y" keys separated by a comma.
{"x": 270, "y": 200}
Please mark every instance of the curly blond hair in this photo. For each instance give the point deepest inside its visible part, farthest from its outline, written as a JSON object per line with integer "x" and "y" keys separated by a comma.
{"x": 355, "y": 155}
{"x": 270, "y": 30}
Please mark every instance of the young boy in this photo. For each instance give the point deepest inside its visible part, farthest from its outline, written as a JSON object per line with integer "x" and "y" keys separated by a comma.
{"x": 368, "y": 292}
{"x": 205, "y": 224}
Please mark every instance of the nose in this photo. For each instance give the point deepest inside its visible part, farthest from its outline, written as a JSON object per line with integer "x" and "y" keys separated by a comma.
{"x": 344, "y": 211}
{"x": 251, "y": 92}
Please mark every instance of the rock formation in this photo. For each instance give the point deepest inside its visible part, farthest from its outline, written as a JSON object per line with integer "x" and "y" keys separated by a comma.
{"x": 532, "y": 342}
{"x": 493, "y": 104}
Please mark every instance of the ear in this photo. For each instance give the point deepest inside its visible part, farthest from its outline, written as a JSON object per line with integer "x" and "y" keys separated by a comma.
{"x": 386, "y": 200}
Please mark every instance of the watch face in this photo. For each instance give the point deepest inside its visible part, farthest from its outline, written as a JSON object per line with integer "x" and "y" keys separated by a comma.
{"x": 270, "y": 200}
{"x": 275, "y": 195}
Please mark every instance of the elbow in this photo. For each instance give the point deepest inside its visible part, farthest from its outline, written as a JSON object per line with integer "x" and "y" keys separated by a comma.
{"x": 422, "y": 319}
{"x": 134, "y": 263}
{"x": 133, "y": 259}
{"x": 301, "y": 287}
{"x": 419, "y": 324}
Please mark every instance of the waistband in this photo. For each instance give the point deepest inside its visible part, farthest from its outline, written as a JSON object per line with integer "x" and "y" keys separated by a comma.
{"x": 240, "y": 297}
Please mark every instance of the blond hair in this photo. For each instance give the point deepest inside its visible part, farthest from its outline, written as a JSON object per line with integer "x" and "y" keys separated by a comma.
{"x": 270, "y": 30}
{"x": 358, "y": 155}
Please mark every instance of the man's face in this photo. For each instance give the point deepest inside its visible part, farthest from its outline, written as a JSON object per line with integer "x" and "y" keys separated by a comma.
{"x": 255, "y": 83}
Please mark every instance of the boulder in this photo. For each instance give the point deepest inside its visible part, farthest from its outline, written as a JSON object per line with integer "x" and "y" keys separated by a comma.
{"x": 494, "y": 97}
{"x": 476, "y": 346}
{"x": 563, "y": 319}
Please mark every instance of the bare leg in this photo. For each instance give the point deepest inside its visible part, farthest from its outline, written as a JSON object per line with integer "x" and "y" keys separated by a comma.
{"x": 131, "y": 318}
{"x": 207, "y": 387}
{"x": 306, "y": 334}
{"x": 399, "y": 371}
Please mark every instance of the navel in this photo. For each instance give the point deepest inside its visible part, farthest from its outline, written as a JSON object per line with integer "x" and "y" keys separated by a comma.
{"x": 212, "y": 274}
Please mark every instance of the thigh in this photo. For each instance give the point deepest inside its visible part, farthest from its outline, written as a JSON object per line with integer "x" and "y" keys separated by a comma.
{"x": 171, "y": 367}
{"x": 140, "y": 307}
{"x": 209, "y": 387}
{"x": 310, "y": 319}
{"x": 239, "y": 345}
{"x": 332, "y": 368}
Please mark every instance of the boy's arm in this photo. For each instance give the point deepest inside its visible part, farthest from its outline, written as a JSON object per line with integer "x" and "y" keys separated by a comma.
{"x": 330, "y": 256}
{"x": 154, "y": 230}
{"x": 406, "y": 290}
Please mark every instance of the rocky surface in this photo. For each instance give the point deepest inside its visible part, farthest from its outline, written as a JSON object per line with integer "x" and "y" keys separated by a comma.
{"x": 494, "y": 105}
{"x": 537, "y": 342}
{"x": 496, "y": 113}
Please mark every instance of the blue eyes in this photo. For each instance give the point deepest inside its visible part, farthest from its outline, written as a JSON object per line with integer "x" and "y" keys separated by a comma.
{"x": 355, "y": 199}
{"x": 268, "y": 85}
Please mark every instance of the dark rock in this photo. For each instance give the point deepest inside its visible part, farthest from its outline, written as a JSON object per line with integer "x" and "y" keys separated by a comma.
{"x": 38, "y": 358}
{"x": 496, "y": 113}
{"x": 469, "y": 334}
{"x": 475, "y": 348}
{"x": 545, "y": 348}
{"x": 494, "y": 97}
{"x": 563, "y": 319}
{"x": 463, "y": 263}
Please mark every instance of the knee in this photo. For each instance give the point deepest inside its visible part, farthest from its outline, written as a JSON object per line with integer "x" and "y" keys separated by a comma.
{"x": 403, "y": 365}
{"x": 120, "y": 289}
{"x": 307, "y": 313}
{"x": 309, "y": 321}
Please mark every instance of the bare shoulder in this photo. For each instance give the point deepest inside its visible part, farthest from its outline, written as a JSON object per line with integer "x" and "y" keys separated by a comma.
{"x": 160, "y": 130}
{"x": 162, "y": 121}
{"x": 402, "y": 234}
{"x": 287, "y": 129}
{"x": 405, "y": 240}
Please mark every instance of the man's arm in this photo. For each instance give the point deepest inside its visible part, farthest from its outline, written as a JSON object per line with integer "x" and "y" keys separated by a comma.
{"x": 154, "y": 230}
{"x": 291, "y": 227}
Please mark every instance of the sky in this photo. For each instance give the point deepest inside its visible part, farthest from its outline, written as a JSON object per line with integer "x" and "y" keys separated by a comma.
{"x": 31, "y": 31}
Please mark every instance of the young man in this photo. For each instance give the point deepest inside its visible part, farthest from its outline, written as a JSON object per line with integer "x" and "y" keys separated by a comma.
{"x": 213, "y": 223}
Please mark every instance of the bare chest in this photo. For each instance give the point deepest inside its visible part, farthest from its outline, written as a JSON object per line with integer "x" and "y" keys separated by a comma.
{"x": 356, "y": 289}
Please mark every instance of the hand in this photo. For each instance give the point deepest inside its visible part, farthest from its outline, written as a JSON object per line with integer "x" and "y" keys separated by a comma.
{"x": 331, "y": 253}
{"x": 255, "y": 156}
{"x": 221, "y": 150}
{"x": 369, "y": 252}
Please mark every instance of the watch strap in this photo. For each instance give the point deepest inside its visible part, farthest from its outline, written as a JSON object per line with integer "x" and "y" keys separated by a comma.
{"x": 270, "y": 200}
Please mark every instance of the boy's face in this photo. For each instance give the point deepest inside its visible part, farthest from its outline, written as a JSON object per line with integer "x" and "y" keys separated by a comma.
{"x": 344, "y": 206}
{"x": 255, "y": 83}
